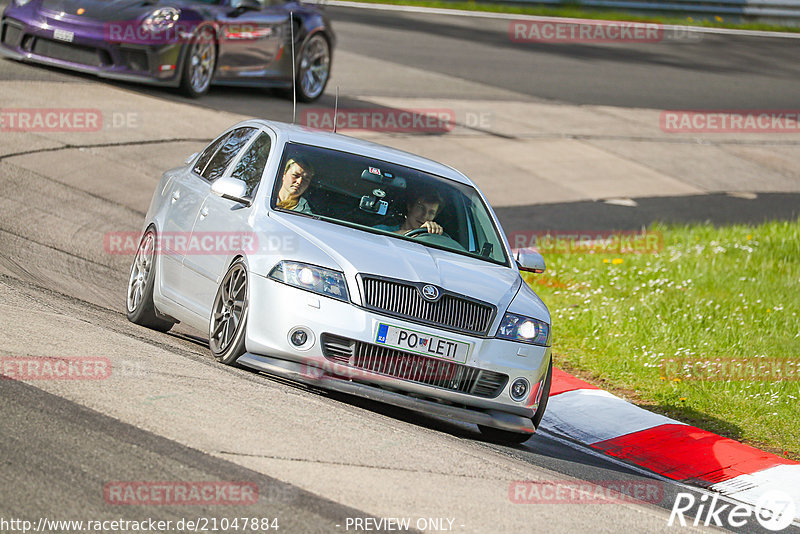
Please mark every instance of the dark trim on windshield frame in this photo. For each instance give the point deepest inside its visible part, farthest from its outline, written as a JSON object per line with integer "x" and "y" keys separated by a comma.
{"x": 273, "y": 204}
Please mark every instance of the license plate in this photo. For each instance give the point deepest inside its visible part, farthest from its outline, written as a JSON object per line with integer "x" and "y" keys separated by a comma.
{"x": 422, "y": 343}
{"x": 63, "y": 35}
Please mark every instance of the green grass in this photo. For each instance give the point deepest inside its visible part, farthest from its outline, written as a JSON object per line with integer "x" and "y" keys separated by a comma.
{"x": 575, "y": 11}
{"x": 710, "y": 292}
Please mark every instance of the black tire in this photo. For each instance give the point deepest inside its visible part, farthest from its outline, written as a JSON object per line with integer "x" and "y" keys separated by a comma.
{"x": 200, "y": 63}
{"x": 139, "y": 298}
{"x": 313, "y": 68}
{"x": 509, "y": 436}
{"x": 228, "y": 323}
{"x": 537, "y": 417}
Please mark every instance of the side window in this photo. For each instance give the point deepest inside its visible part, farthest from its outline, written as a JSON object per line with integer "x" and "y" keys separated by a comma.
{"x": 204, "y": 158}
{"x": 228, "y": 149}
{"x": 488, "y": 242}
{"x": 251, "y": 165}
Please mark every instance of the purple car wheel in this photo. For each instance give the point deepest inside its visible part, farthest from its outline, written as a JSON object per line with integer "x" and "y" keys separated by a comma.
{"x": 314, "y": 68}
{"x": 199, "y": 65}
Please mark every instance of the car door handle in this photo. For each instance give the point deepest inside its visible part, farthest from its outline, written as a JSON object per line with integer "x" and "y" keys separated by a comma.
{"x": 175, "y": 196}
{"x": 203, "y": 213}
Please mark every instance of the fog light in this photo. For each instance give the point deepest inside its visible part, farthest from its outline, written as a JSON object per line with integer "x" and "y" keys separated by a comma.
{"x": 519, "y": 389}
{"x": 299, "y": 338}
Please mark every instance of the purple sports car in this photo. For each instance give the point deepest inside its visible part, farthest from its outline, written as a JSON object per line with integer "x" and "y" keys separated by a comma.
{"x": 180, "y": 43}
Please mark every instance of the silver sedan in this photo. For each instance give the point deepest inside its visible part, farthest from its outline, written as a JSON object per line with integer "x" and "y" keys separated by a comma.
{"x": 350, "y": 266}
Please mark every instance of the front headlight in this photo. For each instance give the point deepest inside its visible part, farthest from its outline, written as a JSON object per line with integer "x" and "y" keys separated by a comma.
{"x": 520, "y": 328}
{"x": 161, "y": 19}
{"x": 311, "y": 278}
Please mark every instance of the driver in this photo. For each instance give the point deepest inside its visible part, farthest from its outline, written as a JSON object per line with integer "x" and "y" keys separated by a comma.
{"x": 420, "y": 214}
{"x": 297, "y": 177}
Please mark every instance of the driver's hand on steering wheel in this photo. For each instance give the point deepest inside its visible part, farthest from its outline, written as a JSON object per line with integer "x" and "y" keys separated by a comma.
{"x": 433, "y": 228}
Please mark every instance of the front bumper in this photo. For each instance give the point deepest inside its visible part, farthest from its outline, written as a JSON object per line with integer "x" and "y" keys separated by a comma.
{"x": 276, "y": 310}
{"x": 299, "y": 373}
{"x": 89, "y": 50}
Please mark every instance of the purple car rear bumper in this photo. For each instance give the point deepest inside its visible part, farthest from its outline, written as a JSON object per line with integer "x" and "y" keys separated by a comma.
{"x": 84, "y": 46}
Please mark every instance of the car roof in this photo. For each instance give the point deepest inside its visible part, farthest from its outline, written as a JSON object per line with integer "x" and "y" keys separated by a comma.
{"x": 308, "y": 136}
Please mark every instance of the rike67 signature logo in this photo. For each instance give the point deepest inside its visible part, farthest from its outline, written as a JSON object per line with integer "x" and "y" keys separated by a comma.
{"x": 775, "y": 511}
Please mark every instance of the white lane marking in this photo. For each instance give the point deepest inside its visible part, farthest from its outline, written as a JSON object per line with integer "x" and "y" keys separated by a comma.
{"x": 751, "y": 487}
{"x": 627, "y": 202}
{"x": 593, "y": 415}
{"x": 516, "y": 16}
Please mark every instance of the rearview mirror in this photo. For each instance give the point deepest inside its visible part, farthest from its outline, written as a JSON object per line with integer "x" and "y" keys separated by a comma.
{"x": 529, "y": 260}
{"x": 191, "y": 158}
{"x": 232, "y": 189}
{"x": 244, "y": 5}
{"x": 373, "y": 174}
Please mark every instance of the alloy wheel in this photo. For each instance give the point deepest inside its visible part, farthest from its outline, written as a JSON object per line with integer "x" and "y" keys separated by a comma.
{"x": 140, "y": 270}
{"x": 229, "y": 309}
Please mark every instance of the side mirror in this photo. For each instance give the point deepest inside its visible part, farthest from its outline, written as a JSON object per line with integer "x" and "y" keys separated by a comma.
{"x": 191, "y": 158}
{"x": 232, "y": 189}
{"x": 529, "y": 260}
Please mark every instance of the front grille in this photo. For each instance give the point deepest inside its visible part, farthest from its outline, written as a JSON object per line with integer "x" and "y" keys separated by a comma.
{"x": 403, "y": 299}
{"x": 67, "y": 52}
{"x": 135, "y": 59}
{"x": 413, "y": 367}
{"x": 11, "y": 35}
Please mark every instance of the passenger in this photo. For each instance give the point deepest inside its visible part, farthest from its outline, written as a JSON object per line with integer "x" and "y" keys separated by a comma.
{"x": 420, "y": 213}
{"x": 297, "y": 176}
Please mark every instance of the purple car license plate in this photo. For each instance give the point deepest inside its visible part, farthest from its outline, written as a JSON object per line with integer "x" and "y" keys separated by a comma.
{"x": 63, "y": 35}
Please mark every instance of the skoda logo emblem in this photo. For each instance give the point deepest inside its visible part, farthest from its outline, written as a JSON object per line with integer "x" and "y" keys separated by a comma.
{"x": 430, "y": 292}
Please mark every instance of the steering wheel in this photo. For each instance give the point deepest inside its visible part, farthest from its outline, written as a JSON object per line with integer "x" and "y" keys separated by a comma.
{"x": 416, "y": 231}
{"x": 449, "y": 241}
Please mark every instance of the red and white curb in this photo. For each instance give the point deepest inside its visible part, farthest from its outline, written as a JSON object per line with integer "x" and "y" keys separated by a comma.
{"x": 678, "y": 451}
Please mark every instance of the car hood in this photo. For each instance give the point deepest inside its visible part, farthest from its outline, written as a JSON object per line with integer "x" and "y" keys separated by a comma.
{"x": 105, "y": 10}
{"x": 357, "y": 251}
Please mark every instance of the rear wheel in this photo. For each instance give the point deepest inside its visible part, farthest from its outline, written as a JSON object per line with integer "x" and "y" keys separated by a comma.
{"x": 314, "y": 67}
{"x": 140, "y": 307}
{"x": 226, "y": 331}
{"x": 509, "y": 436}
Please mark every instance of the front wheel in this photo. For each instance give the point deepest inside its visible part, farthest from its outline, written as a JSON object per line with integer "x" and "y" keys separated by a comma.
{"x": 140, "y": 307}
{"x": 508, "y": 436}
{"x": 226, "y": 330}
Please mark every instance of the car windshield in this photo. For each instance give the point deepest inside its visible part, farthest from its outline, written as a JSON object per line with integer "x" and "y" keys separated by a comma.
{"x": 386, "y": 198}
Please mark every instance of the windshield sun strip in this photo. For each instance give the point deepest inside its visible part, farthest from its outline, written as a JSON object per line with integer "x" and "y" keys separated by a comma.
{"x": 273, "y": 203}
{"x": 387, "y": 233}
